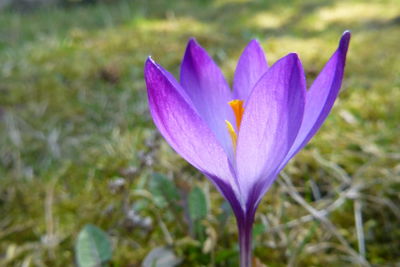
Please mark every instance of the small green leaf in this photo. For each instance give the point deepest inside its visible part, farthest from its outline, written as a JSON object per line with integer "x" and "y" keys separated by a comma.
{"x": 197, "y": 204}
{"x": 258, "y": 229}
{"x": 224, "y": 255}
{"x": 226, "y": 212}
{"x": 161, "y": 257}
{"x": 163, "y": 190}
{"x": 93, "y": 247}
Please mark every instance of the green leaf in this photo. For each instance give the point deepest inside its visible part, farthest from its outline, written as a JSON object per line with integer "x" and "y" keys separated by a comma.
{"x": 258, "y": 229}
{"x": 161, "y": 257}
{"x": 197, "y": 204}
{"x": 163, "y": 190}
{"x": 226, "y": 212}
{"x": 93, "y": 247}
{"x": 224, "y": 255}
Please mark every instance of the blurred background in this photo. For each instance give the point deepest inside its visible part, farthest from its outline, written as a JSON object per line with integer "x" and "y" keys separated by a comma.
{"x": 86, "y": 179}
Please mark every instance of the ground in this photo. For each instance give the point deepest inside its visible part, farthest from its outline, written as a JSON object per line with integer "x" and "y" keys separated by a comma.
{"x": 78, "y": 145}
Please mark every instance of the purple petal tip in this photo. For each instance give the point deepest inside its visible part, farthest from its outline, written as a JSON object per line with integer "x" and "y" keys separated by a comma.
{"x": 291, "y": 59}
{"x": 192, "y": 49}
{"x": 192, "y": 43}
{"x": 254, "y": 42}
{"x": 293, "y": 56}
{"x": 149, "y": 59}
{"x": 150, "y": 62}
{"x": 346, "y": 33}
{"x": 255, "y": 45}
{"x": 344, "y": 41}
{"x": 151, "y": 66}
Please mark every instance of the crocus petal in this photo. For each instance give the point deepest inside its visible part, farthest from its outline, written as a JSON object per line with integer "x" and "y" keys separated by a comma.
{"x": 270, "y": 124}
{"x": 181, "y": 126}
{"x": 251, "y": 66}
{"x": 209, "y": 92}
{"x": 321, "y": 97}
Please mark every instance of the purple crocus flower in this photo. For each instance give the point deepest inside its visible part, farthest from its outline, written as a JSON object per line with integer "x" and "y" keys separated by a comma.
{"x": 242, "y": 139}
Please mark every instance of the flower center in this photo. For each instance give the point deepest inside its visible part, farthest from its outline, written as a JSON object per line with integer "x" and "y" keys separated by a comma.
{"x": 238, "y": 110}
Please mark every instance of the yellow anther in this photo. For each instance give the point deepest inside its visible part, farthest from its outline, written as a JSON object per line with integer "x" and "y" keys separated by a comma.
{"x": 238, "y": 110}
{"x": 232, "y": 133}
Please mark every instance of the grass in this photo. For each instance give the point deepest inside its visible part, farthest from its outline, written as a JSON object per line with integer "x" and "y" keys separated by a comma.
{"x": 74, "y": 118}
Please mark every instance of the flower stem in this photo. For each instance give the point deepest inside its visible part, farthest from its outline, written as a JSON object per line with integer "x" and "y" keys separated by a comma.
{"x": 245, "y": 244}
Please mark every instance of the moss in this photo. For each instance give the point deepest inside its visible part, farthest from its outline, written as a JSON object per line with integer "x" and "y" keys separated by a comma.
{"x": 73, "y": 117}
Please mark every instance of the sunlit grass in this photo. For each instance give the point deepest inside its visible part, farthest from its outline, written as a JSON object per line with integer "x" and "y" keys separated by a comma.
{"x": 73, "y": 117}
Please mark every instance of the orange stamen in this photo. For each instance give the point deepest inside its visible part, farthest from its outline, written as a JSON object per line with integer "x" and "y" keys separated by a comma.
{"x": 238, "y": 110}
